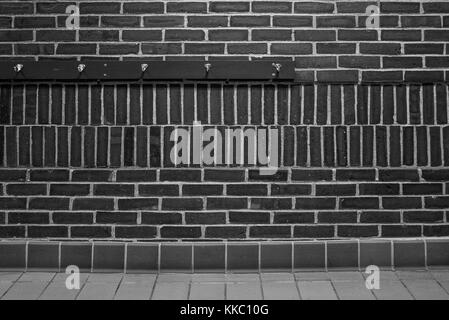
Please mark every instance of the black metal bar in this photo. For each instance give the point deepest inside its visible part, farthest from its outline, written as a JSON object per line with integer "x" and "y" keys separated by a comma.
{"x": 151, "y": 70}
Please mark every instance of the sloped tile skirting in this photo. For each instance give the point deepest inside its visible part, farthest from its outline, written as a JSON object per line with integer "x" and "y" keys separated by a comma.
{"x": 222, "y": 257}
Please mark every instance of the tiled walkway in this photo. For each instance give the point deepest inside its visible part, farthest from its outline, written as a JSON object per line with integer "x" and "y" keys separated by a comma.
{"x": 269, "y": 286}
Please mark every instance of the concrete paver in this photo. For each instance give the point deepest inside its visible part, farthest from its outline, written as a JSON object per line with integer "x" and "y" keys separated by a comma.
{"x": 171, "y": 291}
{"x": 423, "y": 289}
{"x": 352, "y": 290}
{"x": 280, "y": 290}
{"x": 57, "y": 289}
{"x": 100, "y": 287}
{"x": 136, "y": 287}
{"x": 244, "y": 291}
{"x": 392, "y": 290}
{"x": 317, "y": 290}
{"x": 207, "y": 291}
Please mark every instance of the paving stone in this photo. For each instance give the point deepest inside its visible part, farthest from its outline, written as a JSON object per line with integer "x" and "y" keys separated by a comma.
{"x": 57, "y": 289}
{"x": 207, "y": 291}
{"x": 392, "y": 290}
{"x": 316, "y": 290}
{"x": 311, "y": 276}
{"x": 171, "y": 291}
{"x": 37, "y": 276}
{"x": 105, "y": 277}
{"x": 352, "y": 290}
{"x": 30, "y": 290}
{"x": 445, "y": 285}
{"x": 346, "y": 276}
{"x": 244, "y": 291}
{"x": 209, "y": 277}
{"x": 280, "y": 290}
{"x": 419, "y": 274}
{"x": 277, "y": 277}
{"x": 426, "y": 289}
{"x": 10, "y": 276}
{"x": 100, "y": 286}
{"x": 174, "y": 277}
{"x": 136, "y": 287}
{"x": 4, "y": 286}
{"x": 243, "y": 277}
{"x": 440, "y": 275}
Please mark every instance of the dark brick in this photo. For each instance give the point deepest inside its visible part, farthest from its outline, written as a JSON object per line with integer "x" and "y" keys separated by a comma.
{"x": 313, "y": 232}
{"x": 359, "y": 203}
{"x": 207, "y": 218}
{"x": 49, "y": 203}
{"x": 28, "y": 217}
{"x": 49, "y": 175}
{"x": 138, "y": 204}
{"x": 398, "y": 175}
{"x": 398, "y": 231}
{"x": 355, "y": 231}
{"x": 270, "y": 232}
{"x": 116, "y": 217}
{"x": 315, "y": 203}
{"x": 182, "y": 204}
{"x": 180, "y": 175}
{"x": 157, "y": 218}
{"x": 69, "y": 189}
{"x": 401, "y": 203}
{"x": 48, "y": 231}
{"x": 99, "y": 232}
{"x": 228, "y": 232}
{"x": 91, "y": 175}
{"x": 26, "y": 189}
{"x": 180, "y": 232}
{"x": 356, "y": 175}
{"x": 113, "y": 190}
{"x": 249, "y": 217}
{"x": 379, "y": 189}
{"x": 314, "y": 7}
{"x": 337, "y": 217}
{"x": 380, "y": 217}
{"x": 93, "y": 204}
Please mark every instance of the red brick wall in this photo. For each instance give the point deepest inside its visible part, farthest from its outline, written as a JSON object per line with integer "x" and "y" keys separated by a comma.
{"x": 364, "y": 144}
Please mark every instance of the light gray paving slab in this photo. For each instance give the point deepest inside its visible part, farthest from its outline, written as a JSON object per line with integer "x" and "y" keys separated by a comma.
{"x": 100, "y": 286}
{"x": 352, "y": 290}
{"x": 57, "y": 289}
{"x": 280, "y": 290}
{"x": 105, "y": 277}
{"x": 209, "y": 277}
{"x": 414, "y": 274}
{"x": 317, "y": 290}
{"x": 445, "y": 285}
{"x": 441, "y": 275}
{"x": 98, "y": 291}
{"x": 4, "y": 287}
{"x": 277, "y": 277}
{"x": 135, "y": 287}
{"x": 174, "y": 277}
{"x": 346, "y": 276}
{"x": 311, "y": 276}
{"x": 207, "y": 291}
{"x": 244, "y": 291}
{"x": 29, "y": 290}
{"x": 392, "y": 290}
{"x": 37, "y": 276}
{"x": 423, "y": 289}
{"x": 243, "y": 277}
{"x": 10, "y": 276}
{"x": 171, "y": 291}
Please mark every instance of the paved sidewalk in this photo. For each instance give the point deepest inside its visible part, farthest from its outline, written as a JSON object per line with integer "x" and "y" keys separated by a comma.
{"x": 343, "y": 285}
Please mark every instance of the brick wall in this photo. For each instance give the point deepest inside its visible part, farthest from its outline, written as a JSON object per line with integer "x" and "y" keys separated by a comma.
{"x": 364, "y": 135}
